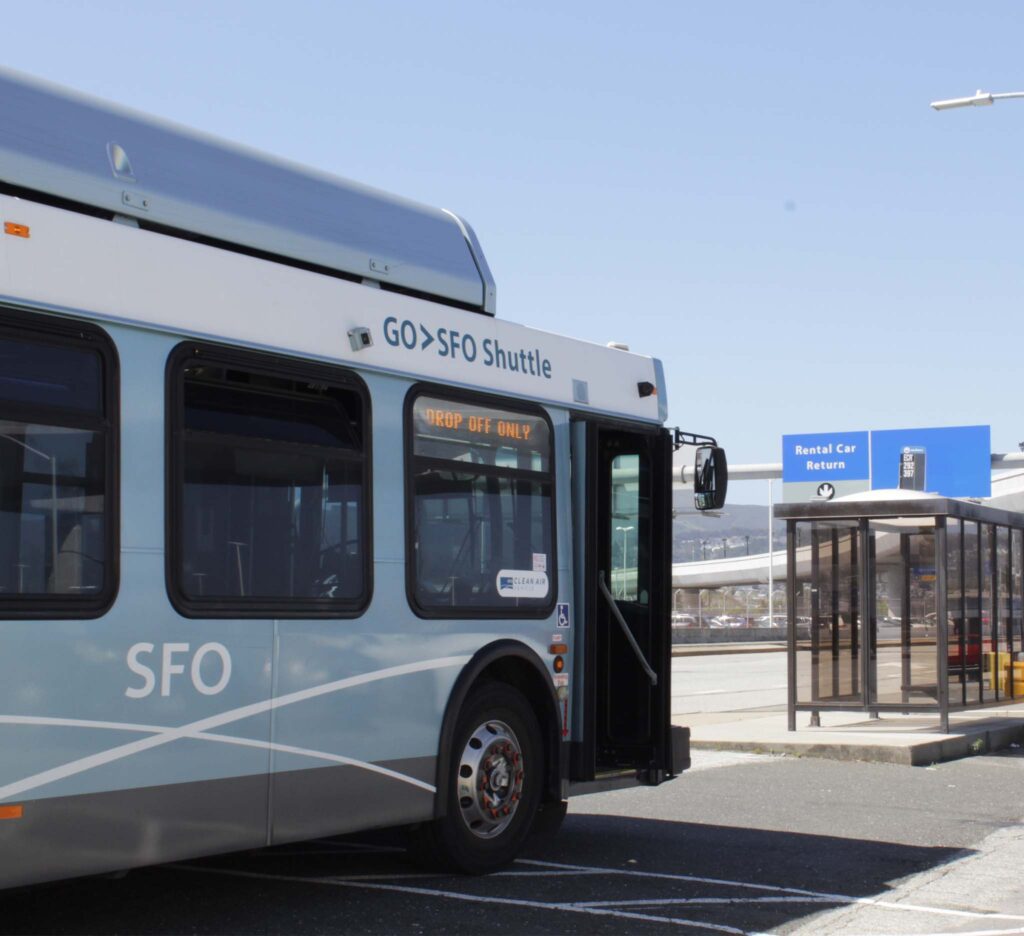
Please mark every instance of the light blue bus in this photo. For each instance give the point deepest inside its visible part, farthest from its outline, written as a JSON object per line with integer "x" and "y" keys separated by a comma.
{"x": 296, "y": 537}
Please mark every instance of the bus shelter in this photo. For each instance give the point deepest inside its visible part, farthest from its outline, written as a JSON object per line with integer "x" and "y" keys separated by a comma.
{"x": 907, "y": 604}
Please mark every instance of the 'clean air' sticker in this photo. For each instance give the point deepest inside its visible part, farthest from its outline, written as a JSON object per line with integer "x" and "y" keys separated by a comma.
{"x": 519, "y": 583}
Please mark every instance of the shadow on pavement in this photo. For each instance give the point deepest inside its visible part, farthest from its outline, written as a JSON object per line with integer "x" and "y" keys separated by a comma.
{"x": 655, "y": 872}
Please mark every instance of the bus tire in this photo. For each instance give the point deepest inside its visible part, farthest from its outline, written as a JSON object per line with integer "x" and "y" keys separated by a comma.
{"x": 495, "y": 787}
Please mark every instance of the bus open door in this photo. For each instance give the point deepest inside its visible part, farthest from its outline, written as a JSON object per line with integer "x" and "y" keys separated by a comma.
{"x": 623, "y": 500}
{"x": 622, "y": 481}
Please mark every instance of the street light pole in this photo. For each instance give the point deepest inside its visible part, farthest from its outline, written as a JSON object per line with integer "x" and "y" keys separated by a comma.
{"x": 980, "y": 99}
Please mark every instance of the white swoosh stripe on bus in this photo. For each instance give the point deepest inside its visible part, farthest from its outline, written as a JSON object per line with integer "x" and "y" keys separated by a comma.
{"x": 216, "y": 721}
{"x": 219, "y": 738}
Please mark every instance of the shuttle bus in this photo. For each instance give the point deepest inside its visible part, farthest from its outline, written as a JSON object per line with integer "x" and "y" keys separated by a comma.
{"x": 297, "y": 537}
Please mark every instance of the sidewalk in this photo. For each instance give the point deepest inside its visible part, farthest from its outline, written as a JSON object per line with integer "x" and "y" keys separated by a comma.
{"x": 913, "y": 740}
{"x": 732, "y": 697}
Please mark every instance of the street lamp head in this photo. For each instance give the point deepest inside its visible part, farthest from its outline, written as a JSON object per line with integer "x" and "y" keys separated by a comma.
{"x": 980, "y": 99}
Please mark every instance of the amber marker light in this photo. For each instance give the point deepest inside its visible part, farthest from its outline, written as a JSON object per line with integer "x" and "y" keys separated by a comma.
{"x": 558, "y": 648}
{"x": 12, "y": 812}
{"x": 15, "y": 229}
{"x": 558, "y": 664}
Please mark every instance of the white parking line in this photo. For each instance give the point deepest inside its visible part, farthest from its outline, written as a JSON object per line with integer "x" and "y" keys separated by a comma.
{"x": 773, "y": 894}
{"x": 816, "y": 896}
{"x": 686, "y": 878}
{"x": 366, "y": 883}
{"x": 562, "y": 907}
{"x": 866, "y": 901}
{"x": 711, "y": 901}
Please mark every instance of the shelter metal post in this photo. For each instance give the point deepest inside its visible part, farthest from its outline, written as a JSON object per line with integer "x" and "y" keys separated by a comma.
{"x": 856, "y": 618}
{"x": 980, "y": 606}
{"x": 905, "y": 617}
{"x": 962, "y": 637}
{"x": 791, "y": 622}
{"x": 942, "y": 621}
{"x": 993, "y": 546}
{"x": 834, "y": 591}
{"x": 815, "y": 614}
{"x": 1011, "y": 623}
{"x": 865, "y": 586}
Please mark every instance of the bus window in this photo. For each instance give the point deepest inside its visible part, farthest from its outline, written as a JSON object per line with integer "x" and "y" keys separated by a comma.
{"x": 56, "y": 466}
{"x": 481, "y": 524}
{"x": 270, "y": 480}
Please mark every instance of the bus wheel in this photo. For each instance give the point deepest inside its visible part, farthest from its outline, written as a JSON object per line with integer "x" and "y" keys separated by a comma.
{"x": 496, "y": 777}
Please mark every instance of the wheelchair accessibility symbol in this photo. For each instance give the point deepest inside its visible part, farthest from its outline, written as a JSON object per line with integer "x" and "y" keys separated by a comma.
{"x": 563, "y": 614}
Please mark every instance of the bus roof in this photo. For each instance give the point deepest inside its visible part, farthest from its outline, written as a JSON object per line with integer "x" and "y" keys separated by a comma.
{"x": 75, "y": 148}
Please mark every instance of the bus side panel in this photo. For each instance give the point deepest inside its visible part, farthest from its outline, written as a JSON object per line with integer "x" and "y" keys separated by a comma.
{"x": 109, "y": 747}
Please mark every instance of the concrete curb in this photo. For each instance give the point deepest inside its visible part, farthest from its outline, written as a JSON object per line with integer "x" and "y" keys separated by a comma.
{"x": 972, "y": 740}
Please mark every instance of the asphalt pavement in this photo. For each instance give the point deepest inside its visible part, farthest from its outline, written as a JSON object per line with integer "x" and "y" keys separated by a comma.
{"x": 740, "y": 844}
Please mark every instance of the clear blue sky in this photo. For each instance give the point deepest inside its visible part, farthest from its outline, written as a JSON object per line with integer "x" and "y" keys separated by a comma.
{"x": 755, "y": 192}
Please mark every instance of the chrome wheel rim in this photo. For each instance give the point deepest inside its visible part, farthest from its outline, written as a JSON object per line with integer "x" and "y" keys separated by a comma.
{"x": 490, "y": 779}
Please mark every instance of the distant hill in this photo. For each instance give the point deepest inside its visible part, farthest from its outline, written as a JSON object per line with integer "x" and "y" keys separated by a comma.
{"x": 734, "y": 524}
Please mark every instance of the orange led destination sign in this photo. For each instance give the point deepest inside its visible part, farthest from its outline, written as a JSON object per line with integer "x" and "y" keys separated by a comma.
{"x": 478, "y": 424}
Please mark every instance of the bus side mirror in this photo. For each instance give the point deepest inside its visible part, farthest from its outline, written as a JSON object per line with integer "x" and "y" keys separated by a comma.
{"x": 710, "y": 478}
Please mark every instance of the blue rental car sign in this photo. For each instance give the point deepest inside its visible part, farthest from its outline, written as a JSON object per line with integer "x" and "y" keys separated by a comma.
{"x": 952, "y": 461}
{"x": 825, "y": 456}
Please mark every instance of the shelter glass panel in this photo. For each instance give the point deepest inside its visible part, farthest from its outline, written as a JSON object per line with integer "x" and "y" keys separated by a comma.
{"x": 997, "y": 662}
{"x": 967, "y": 649}
{"x": 906, "y": 618}
{"x": 955, "y": 603}
{"x": 1015, "y": 676}
{"x": 828, "y": 623}
{"x": 988, "y": 611}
